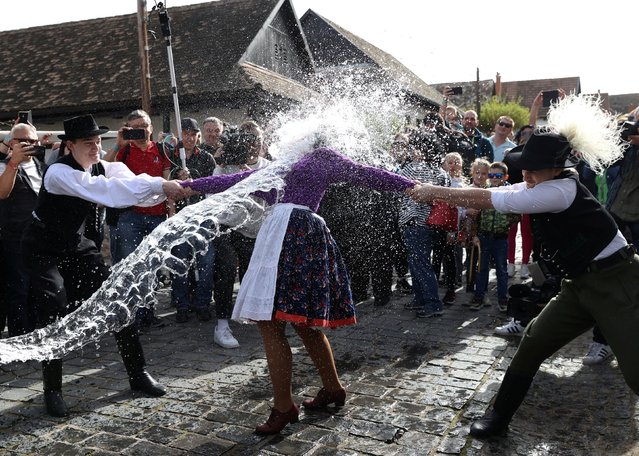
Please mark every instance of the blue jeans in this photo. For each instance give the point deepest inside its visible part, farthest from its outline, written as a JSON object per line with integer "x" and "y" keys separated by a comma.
{"x": 132, "y": 227}
{"x": 183, "y": 295}
{"x": 497, "y": 249}
{"x": 419, "y": 244}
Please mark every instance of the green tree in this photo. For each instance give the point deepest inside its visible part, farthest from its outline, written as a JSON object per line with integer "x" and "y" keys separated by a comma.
{"x": 497, "y": 107}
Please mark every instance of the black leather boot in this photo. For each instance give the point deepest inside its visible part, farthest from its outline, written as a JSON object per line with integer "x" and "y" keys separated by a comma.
{"x": 52, "y": 381}
{"x": 133, "y": 357}
{"x": 511, "y": 393}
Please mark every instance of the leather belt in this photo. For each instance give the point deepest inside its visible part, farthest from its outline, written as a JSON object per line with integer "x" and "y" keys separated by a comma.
{"x": 619, "y": 256}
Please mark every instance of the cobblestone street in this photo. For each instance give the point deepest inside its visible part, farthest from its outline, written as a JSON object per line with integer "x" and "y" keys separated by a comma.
{"x": 413, "y": 385}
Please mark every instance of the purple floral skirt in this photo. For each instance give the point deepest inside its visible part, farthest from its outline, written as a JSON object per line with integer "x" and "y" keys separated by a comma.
{"x": 313, "y": 287}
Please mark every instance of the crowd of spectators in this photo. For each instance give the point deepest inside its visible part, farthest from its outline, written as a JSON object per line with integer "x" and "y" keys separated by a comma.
{"x": 382, "y": 235}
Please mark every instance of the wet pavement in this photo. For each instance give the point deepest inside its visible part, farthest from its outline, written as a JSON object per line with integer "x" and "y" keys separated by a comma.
{"x": 413, "y": 385}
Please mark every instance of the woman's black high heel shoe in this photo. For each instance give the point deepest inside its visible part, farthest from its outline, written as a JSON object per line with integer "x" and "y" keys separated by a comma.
{"x": 278, "y": 421}
{"x": 324, "y": 398}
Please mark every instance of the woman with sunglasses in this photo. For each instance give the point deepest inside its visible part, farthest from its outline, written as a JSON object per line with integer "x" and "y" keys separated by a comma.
{"x": 577, "y": 238}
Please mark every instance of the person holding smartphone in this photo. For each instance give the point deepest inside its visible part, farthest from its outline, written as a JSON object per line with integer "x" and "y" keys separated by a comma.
{"x": 20, "y": 182}
{"x": 141, "y": 155}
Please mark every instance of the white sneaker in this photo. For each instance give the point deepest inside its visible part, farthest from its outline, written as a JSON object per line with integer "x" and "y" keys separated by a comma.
{"x": 512, "y": 328}
{"x": 597, "y": 353}
{"x": 524, "y": 273}
{"x": 511, "y": 270}
{"x": 224, "y": 338}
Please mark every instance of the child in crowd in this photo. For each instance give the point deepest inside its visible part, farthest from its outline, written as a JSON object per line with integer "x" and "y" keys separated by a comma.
{"x": 492, "y": 238}
{"x": 479, "y": 179}
{"x": 445, "y": 241}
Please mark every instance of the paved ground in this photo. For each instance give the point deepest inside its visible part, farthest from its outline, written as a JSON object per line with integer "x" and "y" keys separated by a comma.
{"x": 412, "y": 387}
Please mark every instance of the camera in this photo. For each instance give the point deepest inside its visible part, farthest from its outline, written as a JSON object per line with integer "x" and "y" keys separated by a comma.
{"x": 236, "y": 146}
{"x": 458, "y": 90}
{"x": 629, "y": 129}
{"x": 134, "y": 133}
{"x": 37, "y": 152}
{"x": 549, "y": 96}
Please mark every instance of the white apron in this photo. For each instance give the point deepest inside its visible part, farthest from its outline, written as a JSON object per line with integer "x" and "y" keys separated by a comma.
{"x": 257, "y": 291}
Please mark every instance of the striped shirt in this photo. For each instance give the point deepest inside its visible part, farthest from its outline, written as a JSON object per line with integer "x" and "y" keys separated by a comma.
{"x": 426, "y": 173}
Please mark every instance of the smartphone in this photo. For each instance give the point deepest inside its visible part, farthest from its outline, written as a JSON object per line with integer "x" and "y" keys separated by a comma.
{"x": 550, "y": 96}
{"x": 135, "y": 133}
{"x": 458, "y": 90}
{"x": 24, "y": 117}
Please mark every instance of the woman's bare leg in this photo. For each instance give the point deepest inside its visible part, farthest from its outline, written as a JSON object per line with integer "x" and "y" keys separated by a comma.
{"x": 280, "y": 362}
{"x": 321, "y": 352}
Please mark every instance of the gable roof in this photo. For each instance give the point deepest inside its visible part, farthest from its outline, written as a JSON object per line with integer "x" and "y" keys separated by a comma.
{"x": 333, "y": 47}
{"x": 528, "y": 90}
{"x": 522, "y": 91}
{"x": 94, "y": 64}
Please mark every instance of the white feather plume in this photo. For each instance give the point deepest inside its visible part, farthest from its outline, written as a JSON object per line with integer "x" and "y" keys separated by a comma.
{"x": 592, "y": 132}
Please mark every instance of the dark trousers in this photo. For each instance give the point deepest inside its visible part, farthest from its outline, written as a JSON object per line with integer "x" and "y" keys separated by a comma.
{"x": 60, "y": 282}
{"x": 399, "y": 252}
{"x": 444, "y": 253}
{"x": 608, "y": 298}
{"x": 20, "y": 315}
{"x": 372, "y": 264}
{"x": 232, "y": 251}
{"x": 4, "y": 303}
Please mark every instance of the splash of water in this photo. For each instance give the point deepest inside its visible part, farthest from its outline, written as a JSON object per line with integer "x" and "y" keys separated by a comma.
{"x": 358, "y": 121}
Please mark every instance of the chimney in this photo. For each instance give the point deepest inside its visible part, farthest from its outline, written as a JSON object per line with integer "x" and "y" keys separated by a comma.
{"x": 498, "y": 85}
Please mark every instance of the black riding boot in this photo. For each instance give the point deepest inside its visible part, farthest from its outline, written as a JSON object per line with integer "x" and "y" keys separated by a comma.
{"x": 511, "y": 393}
{"x": 52, "y": 381}
{"x": 133, "y": 357}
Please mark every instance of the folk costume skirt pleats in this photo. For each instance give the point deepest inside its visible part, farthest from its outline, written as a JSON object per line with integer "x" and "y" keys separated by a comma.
{"x": 312, "y": 286}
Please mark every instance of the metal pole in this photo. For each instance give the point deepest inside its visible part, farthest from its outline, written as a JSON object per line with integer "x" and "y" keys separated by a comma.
{"x": 145, "y": 73}
{"x": 166, "y": 32}
{"x": 477, "y": 102}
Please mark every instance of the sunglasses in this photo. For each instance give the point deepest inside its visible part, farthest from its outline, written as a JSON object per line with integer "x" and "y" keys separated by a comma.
{"x": 504, "y": 124}
{"x": 495, "y": 175}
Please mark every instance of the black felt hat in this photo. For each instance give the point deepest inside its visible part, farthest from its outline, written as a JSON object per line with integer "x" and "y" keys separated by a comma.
{"x": 543, "y": 150}
{"x": 81, "y": 127}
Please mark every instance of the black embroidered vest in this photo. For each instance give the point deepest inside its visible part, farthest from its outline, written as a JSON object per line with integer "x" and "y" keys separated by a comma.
{"x": 569, "y": 240}
{"x": 62, "y": 216}
{"x": 15, "y": 211}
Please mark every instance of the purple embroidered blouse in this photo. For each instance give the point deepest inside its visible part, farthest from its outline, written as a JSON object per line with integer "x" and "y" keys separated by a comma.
{"x": 309, "y": 178}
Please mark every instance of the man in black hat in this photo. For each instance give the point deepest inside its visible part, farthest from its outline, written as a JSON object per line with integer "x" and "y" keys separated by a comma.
{"x": 64, "y": 266}
{"x": 578, "y": 239}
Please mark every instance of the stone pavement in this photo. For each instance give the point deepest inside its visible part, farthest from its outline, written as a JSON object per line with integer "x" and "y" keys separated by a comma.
{"x": 413, "y": 385}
